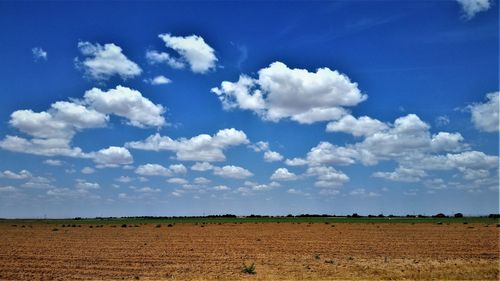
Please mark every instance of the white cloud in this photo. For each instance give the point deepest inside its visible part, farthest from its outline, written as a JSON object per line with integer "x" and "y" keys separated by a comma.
{"x": 158, "y": 80}
{"x": 21, "y": 175}
{"x": 296, "y": 192}
{"x": 282, "y": 174}
{"x": 471, "y": 7}
{"x": 87, "y": 170}
{"x": 230, "y": 171}
{"x": 485, "y": 116}
{"x": 177, "y": 181}
{"x": 153, "y": 170}
{"x": 147, "y": 189}
{"x": 178, "y": 168}
{"x": 53, "y": 162}
{"x": 444, "y": 141}
{"x": 272, "y": 156}
{"x": 363, "y": 193}
{"x": 327, "y": 153}
{"x": 113, "y": 156}
{"x": 269, "y": 155}
{"x": 82, "y": 184}
{"x": 8, "y": 189}
{"x": 296, "y": 162}
{"x": 124, "y": 179}
{"x": 199, "y": 148}
{"x": 155, "y": 57}
{"x": 441, "y": 121}
{"x": 221, "y": 188}
{"x": 362, "y": 126}
{"x": 39, "y": 54}
{"x": 281, "y": 92}
{"x": 327, "y": 177}
{"x": 53, "y": 130}
{"x": 61, "y": 121}
{"x": 202, "y": 166}
{"x": 402, "y": 174}
{"x": 201, "y": 180}
{"x": 45, "y": 147}
{"x": 192, "y": 50}
{"x": 103, "y": 62}
{"x": 127, "y": 103}
{"x": 39, "y": 183}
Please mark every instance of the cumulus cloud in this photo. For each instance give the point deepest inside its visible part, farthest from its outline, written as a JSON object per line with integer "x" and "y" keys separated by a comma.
{"x": 363, "y": 193}
{"x": 21, "y": 175}
{"x": 282, "y": 174}
{"x": 127, "y": 103}
{"x": 362, "y": 126}
{"x": 8, "y": 188}
{"x": 112, "y": 156}
{"x": 153, "y": 170}
{"x": 281, "y": 92}
{"x": 83, "y": 184}
{"x": 45, "y": 147}
{"x": 203, "y": 147}
{"x": 296, "y": 162}
{"x": 179, "y": 181}
{"x": 53, "y": 162}
{"x": 52, "y": 130}
{"x": 471, "y": 7}
{"x": 102, "y": 62}
{"x": 62, "y": 120}
{"x": 192, "y": 50}
{"x": 178, "y": 168}
{"x": 230, "y": 171}
{"x": 221, "y": 188}
{"x": 485, "y": 116}
{"x": 87, "y": 170}
{"x": 158, "y": 80}
{"x": 402, "y": 174}
{"x": 327, "y": 177}
{"x": 39, "y": 54}
{"x": 269, "y": 155}
{"x": 272, "y": 156}
{"x": 201, "y": 180}
{"x": 202, "y": 166}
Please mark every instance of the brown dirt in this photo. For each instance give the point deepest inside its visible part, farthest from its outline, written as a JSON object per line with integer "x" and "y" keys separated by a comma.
{"x": 280, "y": 251}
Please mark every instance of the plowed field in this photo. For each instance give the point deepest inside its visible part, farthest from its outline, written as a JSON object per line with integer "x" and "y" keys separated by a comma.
{"x": 280, "y": 251}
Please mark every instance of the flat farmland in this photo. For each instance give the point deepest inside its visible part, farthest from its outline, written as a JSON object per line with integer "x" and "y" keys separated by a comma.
{"x": 280, "y": 251}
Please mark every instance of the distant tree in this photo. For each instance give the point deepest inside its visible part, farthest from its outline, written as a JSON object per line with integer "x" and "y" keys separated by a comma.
{"x": 440, "y": 215}
{"x": 459, "y": 215}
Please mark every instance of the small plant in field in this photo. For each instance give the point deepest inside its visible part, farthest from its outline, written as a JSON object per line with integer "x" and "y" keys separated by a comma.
{"x": 55, "y": 229}
{"x": 170, "y": 225}
{"x": 317, "y": 257}
{"x": 498, "y": 224}
{"x": 249, "y": 269}
{"x": 466, "y": 222}
{"x": 332, "y": 261}
{"x": 124, "y": 225}
{"x": 440, "y": 223}
{"x": 158, "y": 225}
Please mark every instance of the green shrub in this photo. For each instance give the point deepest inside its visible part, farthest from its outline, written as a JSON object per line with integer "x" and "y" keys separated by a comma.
{"x": 249, "y": 269}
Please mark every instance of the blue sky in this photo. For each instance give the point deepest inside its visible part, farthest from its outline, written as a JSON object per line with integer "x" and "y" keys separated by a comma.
{"x": 191, "y": 108}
